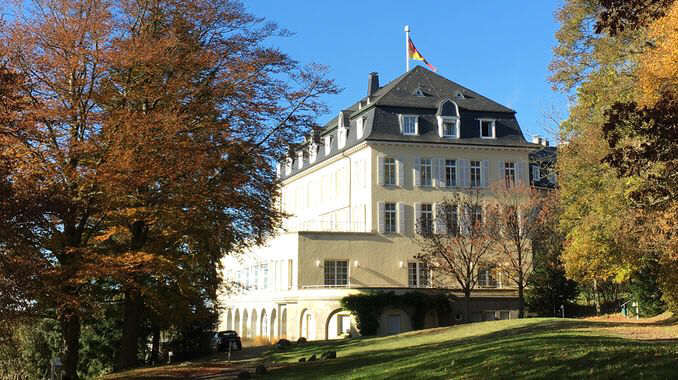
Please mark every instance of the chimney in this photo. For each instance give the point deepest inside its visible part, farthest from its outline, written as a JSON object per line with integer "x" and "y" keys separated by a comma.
{"x": 540, "y": 140}
{"x": 372, "y": 83}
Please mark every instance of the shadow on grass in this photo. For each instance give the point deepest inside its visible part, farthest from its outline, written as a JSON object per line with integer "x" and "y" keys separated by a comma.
{"x": 540, "y": 350}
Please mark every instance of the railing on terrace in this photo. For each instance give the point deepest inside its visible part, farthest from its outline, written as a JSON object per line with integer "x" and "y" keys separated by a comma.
{"x": 350, "y": 286}
{"x": 324, "y": 226}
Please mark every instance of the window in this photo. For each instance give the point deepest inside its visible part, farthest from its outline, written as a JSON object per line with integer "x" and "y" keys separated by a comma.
{"x": 336, "y": 273}
{"x": 426, "y": 219}
{"x": 510, "y": 173}
{"x": 343, "y": 324}
{"x": 450, "y": 173}
{"x": 389, "y": 171}
{"x": 452, "y": 219}
{"x": 475, "y": 174}
{"x": 487, "y": 277}
{"x": 264, "y": 276}
{"x": 449, "y": 128}
{"x": 536, "y": 175}
{"x": 409, "y": 126}
{"x": 487, "y": 129}
{"x": 418, "y": 275}
{"x": 389, "y": 218}
{"x": 328, "y": 145}
{"x": 362, "y": 122}
{"x": 425, "y": 172}
{"x": 476, "y": 215}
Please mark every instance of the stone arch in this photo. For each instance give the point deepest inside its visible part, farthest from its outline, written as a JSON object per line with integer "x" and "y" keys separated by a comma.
{"x": 283, "y": 324}
{"x": 229, "y": 320}
{"x": 253, "y": 324}
{"x": 244, "y": 333}
{"x": 274, "y": 325}
{"x": 236, "y": 321}
{"x": 307, "y": 324}
{"x": 263, "y": 324}
{"x": 338, "y": 322}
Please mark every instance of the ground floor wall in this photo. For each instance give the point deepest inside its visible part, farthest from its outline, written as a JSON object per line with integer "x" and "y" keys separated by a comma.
{"x": 318, "y": 315}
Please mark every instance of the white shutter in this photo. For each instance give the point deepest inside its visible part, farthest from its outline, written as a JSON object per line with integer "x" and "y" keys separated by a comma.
{"x": 380, "y": 170}
{"x": 380, "y": 217}
{"x": 441, "y": 172}
{"x": 401, "y": 122}
{"x": 401, "y": 218}
{"x": 500, "y": 172}
{"x": 438, "y": 218}
{"x": 417, "y": 216}
{"x": 521, "y": 169}
{"x": 401, "y": 173}
{"x": 415, "y": 172}
{"x": 465, "y": 177}
{"x": 440, "y": 126}
{"x": 484, "y": 173}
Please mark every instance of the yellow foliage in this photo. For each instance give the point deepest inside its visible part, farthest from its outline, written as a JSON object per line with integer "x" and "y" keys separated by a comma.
{"x": 658, "y": 67}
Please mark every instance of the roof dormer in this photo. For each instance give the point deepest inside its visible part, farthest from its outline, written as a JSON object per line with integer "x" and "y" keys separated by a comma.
{"x": 342, "y": 129}
{"x": 449, "y": 122}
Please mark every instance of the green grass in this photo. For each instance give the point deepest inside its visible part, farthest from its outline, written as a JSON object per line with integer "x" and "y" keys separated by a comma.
{"x": 525, "y": 349}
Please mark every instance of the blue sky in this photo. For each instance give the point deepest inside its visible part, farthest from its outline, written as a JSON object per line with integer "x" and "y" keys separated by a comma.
{"x": 498, "y": 48}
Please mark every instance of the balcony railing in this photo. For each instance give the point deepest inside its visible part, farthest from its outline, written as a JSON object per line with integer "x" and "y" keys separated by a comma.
{"x": 324, "y": 226}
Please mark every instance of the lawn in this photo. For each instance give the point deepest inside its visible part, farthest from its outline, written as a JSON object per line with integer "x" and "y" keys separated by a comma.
{"x": 539, "y": 348}
{"x": 526, "y": 349}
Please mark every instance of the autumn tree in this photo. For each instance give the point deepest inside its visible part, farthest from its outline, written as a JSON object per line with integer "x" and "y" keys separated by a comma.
{"x": 518, "y": 212}
{"x": 456, "y": 243}
{"x": 143, "y": 149}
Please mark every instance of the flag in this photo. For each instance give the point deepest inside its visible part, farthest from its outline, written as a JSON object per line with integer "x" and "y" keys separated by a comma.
{"x": 414, "y": 54}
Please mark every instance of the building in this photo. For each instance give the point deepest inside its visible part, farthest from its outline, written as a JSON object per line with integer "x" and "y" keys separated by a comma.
{"x": 354, "y": 190}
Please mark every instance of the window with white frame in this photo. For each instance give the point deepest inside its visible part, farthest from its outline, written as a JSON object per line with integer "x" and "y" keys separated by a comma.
{"x": 409, "y": 126}
{"x": 426, "y": 219}
{"x": 487, "y": 128}
{"x": 510, "y": 173}
{"x": 450, "y": 173}
{"x": 418, "y": 275}
{"x": 264, "y": 276}
{"x": 425, "y": 172}
{"x": 452, "y": 219}
{"x": 336, "y": 272}
{"x": 390, "y": 218}
{"x": 475, "y": 174}
{"x": 328, "y": 145}
{"x": 487, "y": 276}
{"x": 389, "y": 171}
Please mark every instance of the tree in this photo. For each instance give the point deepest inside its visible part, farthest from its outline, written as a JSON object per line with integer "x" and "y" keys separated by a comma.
{"x": 518, "y": 212}
{"x": 143, "y": 149}
{"x": 456, "y": 243}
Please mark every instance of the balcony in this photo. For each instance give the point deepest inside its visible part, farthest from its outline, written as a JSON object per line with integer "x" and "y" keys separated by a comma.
{"x": 324, "y": 226}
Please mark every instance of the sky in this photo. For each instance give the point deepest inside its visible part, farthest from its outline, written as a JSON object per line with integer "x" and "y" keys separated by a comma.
{"x": 498, "y": 48}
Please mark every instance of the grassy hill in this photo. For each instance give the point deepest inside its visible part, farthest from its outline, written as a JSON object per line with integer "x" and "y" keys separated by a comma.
{"x": 525, "y": 349}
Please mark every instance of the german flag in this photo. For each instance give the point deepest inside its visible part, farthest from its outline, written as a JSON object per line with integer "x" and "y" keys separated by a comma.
{"x": 414, "y": 54}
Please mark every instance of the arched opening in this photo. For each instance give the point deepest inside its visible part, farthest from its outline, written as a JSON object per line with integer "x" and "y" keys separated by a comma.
{"x": 263, "y": 324}
{"x": 236, "y": 322}
{"x": 244, "y": 330}
{"x": 273, "y": 325}
{"x": 339, "y": 324}
{"x": 229, "y": 320}
{"x": 283, "y": 324}
{"x": 307, "y": 325}
{"x": 253, "y": 324}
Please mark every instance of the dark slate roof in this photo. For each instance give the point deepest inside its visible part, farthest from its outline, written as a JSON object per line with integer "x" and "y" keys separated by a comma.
{"x": 398, "y": 97}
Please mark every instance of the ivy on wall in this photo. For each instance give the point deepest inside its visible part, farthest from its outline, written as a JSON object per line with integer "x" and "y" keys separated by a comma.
{"x": 367, "y": 308}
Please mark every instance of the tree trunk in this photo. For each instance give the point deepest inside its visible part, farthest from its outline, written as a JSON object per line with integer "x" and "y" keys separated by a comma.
{"x": 155, "y": 347}
{"x": 133, "y": 312}
{"x": 467, "y": 306}
{"x": 521, "y": 300}
{"x": 596, "y": 296}
{"x": 70, "y": 329}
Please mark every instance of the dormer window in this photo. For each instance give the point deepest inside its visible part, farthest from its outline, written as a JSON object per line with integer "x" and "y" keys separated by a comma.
{"x": 312, "y": 152}
{"x": 418, "y": 92}
{"x": 300, "y": 159}
{"x": 409, "y": 125}
{"x": 328, "y": 144}
{"x": 362, "y": 121}
{"x": 487, "y": 129}
{"x": 448, "y": 119}
{"x": 342, "y": 133}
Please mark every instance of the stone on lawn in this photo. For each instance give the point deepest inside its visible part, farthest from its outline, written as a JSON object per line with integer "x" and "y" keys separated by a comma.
{"x": 301, "y": 360}
{"x": 260, "y": 370}
{"x": 283, "y": 344}
{"x": 312, "y": 358}
{"x": 329, "y": 355}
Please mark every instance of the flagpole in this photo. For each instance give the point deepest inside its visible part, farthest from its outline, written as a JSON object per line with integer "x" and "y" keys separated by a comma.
{"x": 407, "y": 48}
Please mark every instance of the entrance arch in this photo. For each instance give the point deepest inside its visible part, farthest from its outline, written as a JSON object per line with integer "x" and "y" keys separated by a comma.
{"x": 253, "y": 325}
{"x": 307, "y": 325}
{"x": 283, "y": 324}
{"x": 339, "y": 322}
{"x": 229, "y": 320}
{"x": 245, "y": 320}
{"x": 236, "y": 322}
{"x": 263, "y": 324}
